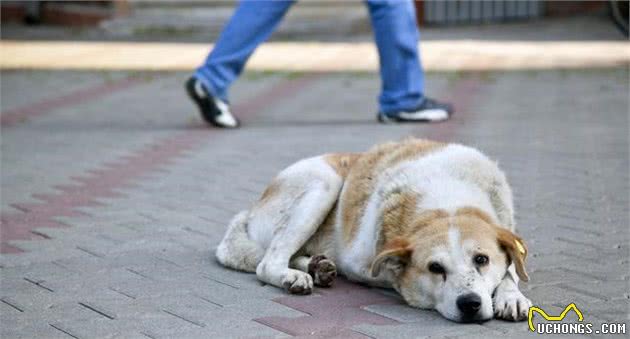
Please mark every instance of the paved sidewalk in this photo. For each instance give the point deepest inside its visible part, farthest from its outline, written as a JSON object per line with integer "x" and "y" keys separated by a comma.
{"x": 114, "y": 196}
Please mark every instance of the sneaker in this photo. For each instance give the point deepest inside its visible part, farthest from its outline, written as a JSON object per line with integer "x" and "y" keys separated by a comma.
{"x": 213, "y": 110}
{"x": 428, "y": 111}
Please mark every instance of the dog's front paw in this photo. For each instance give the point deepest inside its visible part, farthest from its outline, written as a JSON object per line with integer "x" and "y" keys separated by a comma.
{"x": 323, "y": 271}
{"x": 511, "y": 305}
{"x": 298, "y": 282}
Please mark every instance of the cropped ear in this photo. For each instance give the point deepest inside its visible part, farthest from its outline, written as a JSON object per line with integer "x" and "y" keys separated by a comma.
{"x": 516, "y": 250}
{"x": 394, "y": 257}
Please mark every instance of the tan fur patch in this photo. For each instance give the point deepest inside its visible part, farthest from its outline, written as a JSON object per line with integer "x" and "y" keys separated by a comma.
{"x": 398, "y": 252}
{"x": 362, "y": 176}
{"x": 474, "y": 211}
{"x": 515, "y": 249}
{"x": 271, "y": 191}
{"x": 398, "y": 211}
{"x": 401, "y": 219}
{"x": 342, "y": 162}
{"x": 397, "y": 243}
{"x": 430, "y": 229}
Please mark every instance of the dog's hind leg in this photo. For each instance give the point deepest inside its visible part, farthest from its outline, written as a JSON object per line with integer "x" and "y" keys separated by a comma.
{"x": 314, "y": 188}
{"x": 305, "y": 218}
{"x": 319, "y": 267}
{"x": 237, "y": 250}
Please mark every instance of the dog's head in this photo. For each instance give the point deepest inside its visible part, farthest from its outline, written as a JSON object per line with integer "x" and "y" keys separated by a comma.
{"x": 453, "y": 263}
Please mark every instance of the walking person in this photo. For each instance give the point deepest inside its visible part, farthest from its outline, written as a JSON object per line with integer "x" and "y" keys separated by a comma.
{"x": 402, "y": 97}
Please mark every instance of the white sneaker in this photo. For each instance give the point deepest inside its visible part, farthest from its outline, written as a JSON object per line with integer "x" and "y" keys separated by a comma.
{"x": 428, "y": 111}
{"x": 213, "y": 110}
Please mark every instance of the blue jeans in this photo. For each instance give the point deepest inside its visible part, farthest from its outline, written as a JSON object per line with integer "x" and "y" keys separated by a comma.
{"x": 395, "y": 31}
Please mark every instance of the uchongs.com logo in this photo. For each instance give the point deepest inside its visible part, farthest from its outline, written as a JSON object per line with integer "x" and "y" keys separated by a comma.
{"x": 554, "y": 325}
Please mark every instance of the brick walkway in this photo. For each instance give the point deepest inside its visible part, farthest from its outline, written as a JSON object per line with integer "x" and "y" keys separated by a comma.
{"x": 114, "y": 195}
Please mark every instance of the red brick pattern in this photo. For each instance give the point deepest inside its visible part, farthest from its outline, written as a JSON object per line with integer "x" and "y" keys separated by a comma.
{"x": 99, "y": 183}
{"x": 332, "y": 311}
{"x": 21, "y": 114}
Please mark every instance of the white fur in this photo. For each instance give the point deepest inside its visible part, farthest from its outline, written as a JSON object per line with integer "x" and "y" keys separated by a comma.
{"x": 454, "y": 243}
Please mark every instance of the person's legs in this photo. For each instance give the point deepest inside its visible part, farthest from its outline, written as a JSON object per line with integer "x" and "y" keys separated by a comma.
{"x": 251, "y": 24}
{"x": 397, "y": 36}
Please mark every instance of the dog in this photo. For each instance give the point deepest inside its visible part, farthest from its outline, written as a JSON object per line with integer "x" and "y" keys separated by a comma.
{"x": 434, "y": 221}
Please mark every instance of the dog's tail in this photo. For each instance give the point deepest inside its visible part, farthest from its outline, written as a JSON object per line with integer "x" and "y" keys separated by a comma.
{"x": 237, "y": 250}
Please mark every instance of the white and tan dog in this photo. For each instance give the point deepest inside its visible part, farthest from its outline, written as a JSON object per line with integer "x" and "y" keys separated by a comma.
{"x": 433, "y": 221}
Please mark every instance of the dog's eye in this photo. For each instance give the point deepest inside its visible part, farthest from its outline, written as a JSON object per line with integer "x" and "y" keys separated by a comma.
{"x": 436, "y": 268}
{"x": 481, "y": 259}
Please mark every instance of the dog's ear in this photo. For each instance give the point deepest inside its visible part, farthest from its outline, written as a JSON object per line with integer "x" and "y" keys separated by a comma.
{"x": 516, "y": 250}
{"x": 394, "y": 257}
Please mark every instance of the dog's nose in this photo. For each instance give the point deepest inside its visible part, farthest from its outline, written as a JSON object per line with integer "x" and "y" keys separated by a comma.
{"x": 469, "y": 304}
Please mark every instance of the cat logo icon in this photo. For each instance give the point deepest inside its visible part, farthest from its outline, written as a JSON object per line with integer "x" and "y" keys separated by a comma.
{"x": 571, "y": 306}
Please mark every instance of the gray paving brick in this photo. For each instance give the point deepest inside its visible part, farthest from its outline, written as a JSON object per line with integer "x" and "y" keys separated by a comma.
{"x": 420, "y": 330}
